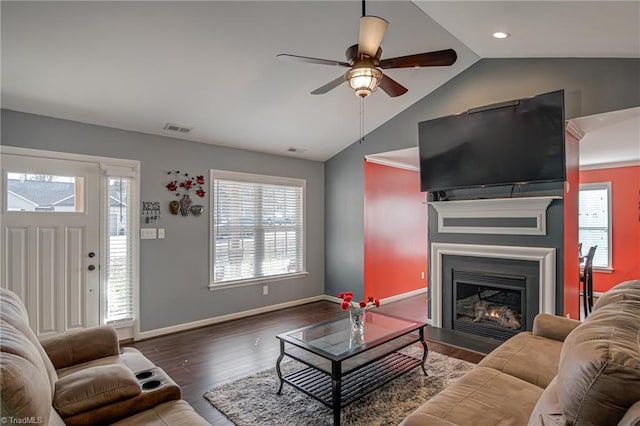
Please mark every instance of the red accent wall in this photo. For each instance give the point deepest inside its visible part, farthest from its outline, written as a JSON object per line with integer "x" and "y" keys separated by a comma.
{"x": 625, "y": 224}
{"x": 571, "y": 262}
{"x": 395, "y": 231}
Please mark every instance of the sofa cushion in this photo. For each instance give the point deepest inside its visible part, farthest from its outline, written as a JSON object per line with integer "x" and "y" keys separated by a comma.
{"x": 632, "y": 416}
{"x": 547, "y": 411}
{"x": 94, "y": 387}
{"x": 13, "y": 312}
{"x": 599, "y": 372}
{"x": 628, "y": 290}
{"x": 173, "y": 413}
{"x": 531, "y": 358}
{"x": 483, "y": 396}
{"x": 24, "y": 385}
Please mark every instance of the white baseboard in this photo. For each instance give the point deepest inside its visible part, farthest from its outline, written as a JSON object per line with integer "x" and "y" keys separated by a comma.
{"x": 385, "y": 300}
{"x": 403, "y": 296}
{"x": 214, "y": 320}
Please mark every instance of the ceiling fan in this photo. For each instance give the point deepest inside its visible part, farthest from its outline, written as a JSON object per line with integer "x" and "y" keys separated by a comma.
{"x": 365, "y": 63}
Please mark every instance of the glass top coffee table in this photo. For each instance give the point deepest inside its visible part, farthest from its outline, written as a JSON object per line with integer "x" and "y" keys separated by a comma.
{"x": 341, "y": 366}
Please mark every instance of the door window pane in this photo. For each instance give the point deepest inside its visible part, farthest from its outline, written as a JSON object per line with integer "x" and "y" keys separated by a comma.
{"x": 119, "y": 274}
{"x": 43, "y": 193}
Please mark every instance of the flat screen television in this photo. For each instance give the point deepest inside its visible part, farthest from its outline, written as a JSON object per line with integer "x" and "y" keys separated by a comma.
{"x": 515, "y": 142}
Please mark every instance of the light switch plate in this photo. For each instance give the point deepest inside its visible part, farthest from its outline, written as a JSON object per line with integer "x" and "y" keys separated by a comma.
{"x": 148, "y": 233}
{"x": 161, "y": 233}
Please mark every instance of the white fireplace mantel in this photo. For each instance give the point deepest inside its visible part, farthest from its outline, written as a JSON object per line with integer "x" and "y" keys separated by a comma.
{"x": 545, "y": 256}
{"x": 497, "y": 208}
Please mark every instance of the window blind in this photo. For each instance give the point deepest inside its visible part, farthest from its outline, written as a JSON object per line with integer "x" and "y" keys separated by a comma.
{"x": 593, "y": 221}
{"x": 258, "y": 227}
{"x": 119, "y": 257}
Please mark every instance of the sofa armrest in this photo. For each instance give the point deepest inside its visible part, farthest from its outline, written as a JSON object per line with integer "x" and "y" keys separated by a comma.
{"x": 553, "y": 327}
{"x": 81, "y": 346}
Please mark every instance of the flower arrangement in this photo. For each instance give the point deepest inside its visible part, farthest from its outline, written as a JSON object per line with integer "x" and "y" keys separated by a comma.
{"x": 182, "y": 184}
{"x": 348, "y": 302}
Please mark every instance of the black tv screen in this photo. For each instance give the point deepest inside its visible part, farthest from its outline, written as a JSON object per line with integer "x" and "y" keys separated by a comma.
{"x": 514, "y": 142}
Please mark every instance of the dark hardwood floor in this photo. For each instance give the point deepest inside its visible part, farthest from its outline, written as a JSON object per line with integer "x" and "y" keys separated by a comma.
{"x": 202, "y": 358}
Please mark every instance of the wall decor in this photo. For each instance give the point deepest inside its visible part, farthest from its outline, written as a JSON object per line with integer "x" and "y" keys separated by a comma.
{"x": 151, "y": 211}
{"x": 183, "y": 184}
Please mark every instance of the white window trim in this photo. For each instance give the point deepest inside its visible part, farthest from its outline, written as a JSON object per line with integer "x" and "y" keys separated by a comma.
{"x": 607, "y": 186}
{"x": 264, "y": 179}
{"x": 119, "y": 165}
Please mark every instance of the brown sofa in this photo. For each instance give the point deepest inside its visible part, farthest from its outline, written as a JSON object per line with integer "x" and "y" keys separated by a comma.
{"x": 564, "y": 372}
{"x": 81, "y": 378}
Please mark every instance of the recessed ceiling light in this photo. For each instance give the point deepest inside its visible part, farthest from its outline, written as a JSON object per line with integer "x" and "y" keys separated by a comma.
{"x": 501, "y": 34}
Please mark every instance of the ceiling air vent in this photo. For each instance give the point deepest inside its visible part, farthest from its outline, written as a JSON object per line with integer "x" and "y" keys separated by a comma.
{"x": 177, "y": 128}
{"x": 296, "y": 150}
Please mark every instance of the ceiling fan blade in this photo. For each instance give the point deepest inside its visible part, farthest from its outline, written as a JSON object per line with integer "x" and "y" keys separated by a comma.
{"x": 308, "y": 60}
{"x": 430, "y": 59}
{"x": 329, "y": 86}
{"x": 372, "y": 31}
{"x": 392, "y": 87}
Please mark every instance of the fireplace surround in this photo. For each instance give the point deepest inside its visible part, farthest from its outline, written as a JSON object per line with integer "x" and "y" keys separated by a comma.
{"x": 542, "y": 257}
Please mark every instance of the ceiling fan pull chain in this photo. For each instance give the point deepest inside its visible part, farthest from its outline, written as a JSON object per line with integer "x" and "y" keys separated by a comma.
{"x": 361, "y": 120}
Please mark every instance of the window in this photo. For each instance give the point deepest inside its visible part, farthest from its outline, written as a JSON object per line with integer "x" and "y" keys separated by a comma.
{"x": 28, "y": 192}
{"x": 119, "y": 275}
{"x": 594, "y": 221}
{"x": 257, "y": 227}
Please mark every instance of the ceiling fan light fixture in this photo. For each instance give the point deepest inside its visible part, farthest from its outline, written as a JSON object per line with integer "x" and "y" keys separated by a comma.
{"x": 364, "y": 80}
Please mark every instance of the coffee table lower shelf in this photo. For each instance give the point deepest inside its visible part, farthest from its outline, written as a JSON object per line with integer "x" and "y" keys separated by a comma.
{"x": 355, "y": 384}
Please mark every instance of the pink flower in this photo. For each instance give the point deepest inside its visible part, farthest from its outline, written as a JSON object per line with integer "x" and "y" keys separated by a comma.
{"x": 200, "y": 193}
{"x": 171, "y": 186}
{"x": 363, "y": 304}
{"x": 345, "y": 305}
{"x": 377, "y": 303}
{"x": 200, "y": 180}
{"x": 187, "y": 184}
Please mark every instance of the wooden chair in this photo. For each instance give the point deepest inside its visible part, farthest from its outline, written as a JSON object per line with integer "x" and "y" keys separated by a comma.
{"x": 586, "y": 279}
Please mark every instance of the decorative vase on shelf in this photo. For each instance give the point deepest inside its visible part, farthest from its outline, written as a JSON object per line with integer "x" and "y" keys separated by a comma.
{"x": 356, "y": 317}
{"x": 185, "y": 205}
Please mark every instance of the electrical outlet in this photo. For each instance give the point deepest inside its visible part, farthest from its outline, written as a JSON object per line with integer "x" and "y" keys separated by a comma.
{"x": 422, "y": 275}
{"x": 265, "y": 290}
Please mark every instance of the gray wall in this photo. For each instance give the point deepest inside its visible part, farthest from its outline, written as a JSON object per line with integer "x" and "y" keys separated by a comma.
{"x": 174, "y": 272}
{"x": 591, "y": 86}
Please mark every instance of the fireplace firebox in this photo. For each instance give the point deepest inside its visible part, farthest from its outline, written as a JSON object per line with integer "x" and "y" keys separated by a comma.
{"x": 491, "y": 305}
{"x": 493, "y": 298}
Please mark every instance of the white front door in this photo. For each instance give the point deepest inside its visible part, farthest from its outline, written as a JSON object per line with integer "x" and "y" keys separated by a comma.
{"x": 50, "y": 224}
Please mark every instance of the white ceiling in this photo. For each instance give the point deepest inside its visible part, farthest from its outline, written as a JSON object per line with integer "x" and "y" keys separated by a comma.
{"x": 211, "y": 65}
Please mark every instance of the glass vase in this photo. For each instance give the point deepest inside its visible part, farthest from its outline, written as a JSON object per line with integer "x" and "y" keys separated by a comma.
{"x": 356, "y": 317}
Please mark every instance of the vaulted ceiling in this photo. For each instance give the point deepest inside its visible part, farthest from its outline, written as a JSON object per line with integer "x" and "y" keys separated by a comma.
{"x": 212, "y": 67}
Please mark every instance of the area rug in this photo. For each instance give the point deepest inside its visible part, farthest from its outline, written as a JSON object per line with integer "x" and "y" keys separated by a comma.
{"x": 252, "y": 400}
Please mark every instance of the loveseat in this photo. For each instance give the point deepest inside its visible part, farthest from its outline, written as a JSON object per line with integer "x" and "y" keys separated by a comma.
{"x": 564, "y": 372}
{"x": 80, "y": 378}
